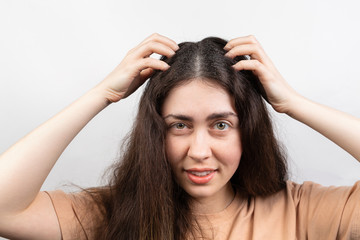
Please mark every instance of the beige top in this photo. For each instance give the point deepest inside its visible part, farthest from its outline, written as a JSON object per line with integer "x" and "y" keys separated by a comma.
{"x": 301, "y": 211}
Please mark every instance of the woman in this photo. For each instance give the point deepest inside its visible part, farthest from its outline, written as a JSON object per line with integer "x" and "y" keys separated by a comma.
{"x": 201, "y": 161}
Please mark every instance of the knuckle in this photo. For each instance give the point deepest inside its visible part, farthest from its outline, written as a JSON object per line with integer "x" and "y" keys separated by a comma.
{"x": 252, "y": 39}
{"x": 147, "y": 61}
{"x": 155, "y": 35}
{"x": 256, "y": 64}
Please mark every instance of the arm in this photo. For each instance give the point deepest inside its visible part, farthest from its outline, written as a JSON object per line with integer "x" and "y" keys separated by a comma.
{"x": 341, "y": 128}
{"x": 25, "y": 166}
{"x": 26, "y": 213}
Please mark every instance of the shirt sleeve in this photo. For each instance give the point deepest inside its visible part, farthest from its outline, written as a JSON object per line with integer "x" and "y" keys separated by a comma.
{"x": 78, "y": 217}
{"x": 327, "y": 212}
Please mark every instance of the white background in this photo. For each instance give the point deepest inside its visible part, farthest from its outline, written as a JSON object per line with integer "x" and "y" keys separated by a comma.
{"x": 52, "y": 52}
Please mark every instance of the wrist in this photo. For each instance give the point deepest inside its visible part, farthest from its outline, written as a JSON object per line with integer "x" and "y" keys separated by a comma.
{"x": 296, "y": 104}
{"x": 107, "y": 93}
{"x": 98, "y": 97}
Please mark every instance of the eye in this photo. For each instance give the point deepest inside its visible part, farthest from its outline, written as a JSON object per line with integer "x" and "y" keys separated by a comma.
{"x": 221, "y": 126}
{"x": 179, "y": 128}
{"x": 179, "y": 125}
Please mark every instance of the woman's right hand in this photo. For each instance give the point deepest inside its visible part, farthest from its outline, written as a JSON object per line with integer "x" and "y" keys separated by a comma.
{"x": 137, "y": 67}
{"x": 27, "y": 213}
{"x": 278, "y": 92}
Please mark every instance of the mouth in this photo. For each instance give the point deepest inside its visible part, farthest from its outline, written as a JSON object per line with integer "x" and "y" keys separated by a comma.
{"x": 200, "y": 176}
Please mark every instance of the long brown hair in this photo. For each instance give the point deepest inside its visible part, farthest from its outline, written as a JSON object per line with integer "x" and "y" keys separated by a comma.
{"x": 143, "y": 201}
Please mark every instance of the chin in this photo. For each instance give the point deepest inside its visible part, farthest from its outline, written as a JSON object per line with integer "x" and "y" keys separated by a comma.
{"x": 199, "y": 192}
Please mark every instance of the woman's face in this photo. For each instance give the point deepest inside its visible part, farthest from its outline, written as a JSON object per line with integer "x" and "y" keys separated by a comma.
{"x": 203, "y": 142}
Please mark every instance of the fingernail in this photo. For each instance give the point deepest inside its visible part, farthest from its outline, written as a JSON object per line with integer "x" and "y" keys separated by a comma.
{"x": 176, "y": 47}
{"x": 227, "y": 47}
{"x": 228, "y": 54}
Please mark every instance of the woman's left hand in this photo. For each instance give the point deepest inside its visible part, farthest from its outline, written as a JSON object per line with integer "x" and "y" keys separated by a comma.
{"x": 341, "y": 128}
{"x": 278, "y": 92}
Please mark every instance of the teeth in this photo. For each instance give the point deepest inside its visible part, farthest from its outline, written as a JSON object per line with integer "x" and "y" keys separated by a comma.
{"x": 201, "y": 174}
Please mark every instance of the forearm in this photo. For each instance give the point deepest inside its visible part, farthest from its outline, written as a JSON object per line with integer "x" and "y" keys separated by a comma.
{"x": 341, "y": 128}
{"x": 25, "y": 166}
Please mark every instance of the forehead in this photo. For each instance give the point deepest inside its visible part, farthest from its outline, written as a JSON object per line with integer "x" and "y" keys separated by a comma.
{"x": 198, "y": 96}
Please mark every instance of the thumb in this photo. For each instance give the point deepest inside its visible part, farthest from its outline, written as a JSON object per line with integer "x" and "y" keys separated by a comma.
{"x": 145, "y": 74}
{"x": 137, "y": 82}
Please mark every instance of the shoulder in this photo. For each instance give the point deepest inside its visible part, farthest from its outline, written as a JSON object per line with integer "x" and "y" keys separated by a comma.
{"x": 80, "y": 214}
{"x": 331, "y": 210}
{"x": 316, "y": 191}
{"x": 327, "y": 212}
{"x": 311, "y": 201}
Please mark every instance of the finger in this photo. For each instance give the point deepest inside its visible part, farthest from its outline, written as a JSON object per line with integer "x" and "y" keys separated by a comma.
{"x": 149, "y": 48}
{"x": 252, "y": 65}
{"x": 253, "y": 50}
{"x": 145, "y": 74}
{"x": 241, "y": 40}
{"x": 246, "y": 49}
{"x": 152, "y": 63}
{"x": 161, "y": 39}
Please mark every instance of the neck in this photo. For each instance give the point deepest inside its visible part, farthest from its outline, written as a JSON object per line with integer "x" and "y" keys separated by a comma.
{"x": 215, "y": 203}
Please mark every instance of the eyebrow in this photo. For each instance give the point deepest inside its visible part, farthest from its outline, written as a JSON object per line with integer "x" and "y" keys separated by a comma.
{"x": 210, "y": 117}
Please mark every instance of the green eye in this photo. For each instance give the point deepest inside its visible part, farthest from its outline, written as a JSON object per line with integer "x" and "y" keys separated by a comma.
{"x": 179, "y": 125}
{"x": 221, "y": 126}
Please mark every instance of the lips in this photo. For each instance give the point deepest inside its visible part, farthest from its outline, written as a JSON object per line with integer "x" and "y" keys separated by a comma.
{"x": 200, "y": 176}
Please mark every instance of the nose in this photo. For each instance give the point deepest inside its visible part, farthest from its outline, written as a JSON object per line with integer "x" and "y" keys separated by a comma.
{"x": 200, "y": 146}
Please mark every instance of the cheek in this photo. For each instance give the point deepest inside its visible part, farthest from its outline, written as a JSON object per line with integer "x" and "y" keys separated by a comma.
{"x": 174, "y": 150}
{"x": 230, "y": 152}
{"x": 232, "y": 156}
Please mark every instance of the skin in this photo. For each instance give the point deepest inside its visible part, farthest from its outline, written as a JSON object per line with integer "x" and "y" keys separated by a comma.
{"x": 203, "y": 133}
{"x": 27, "y": 213}
{"x": 339, "y": 127}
